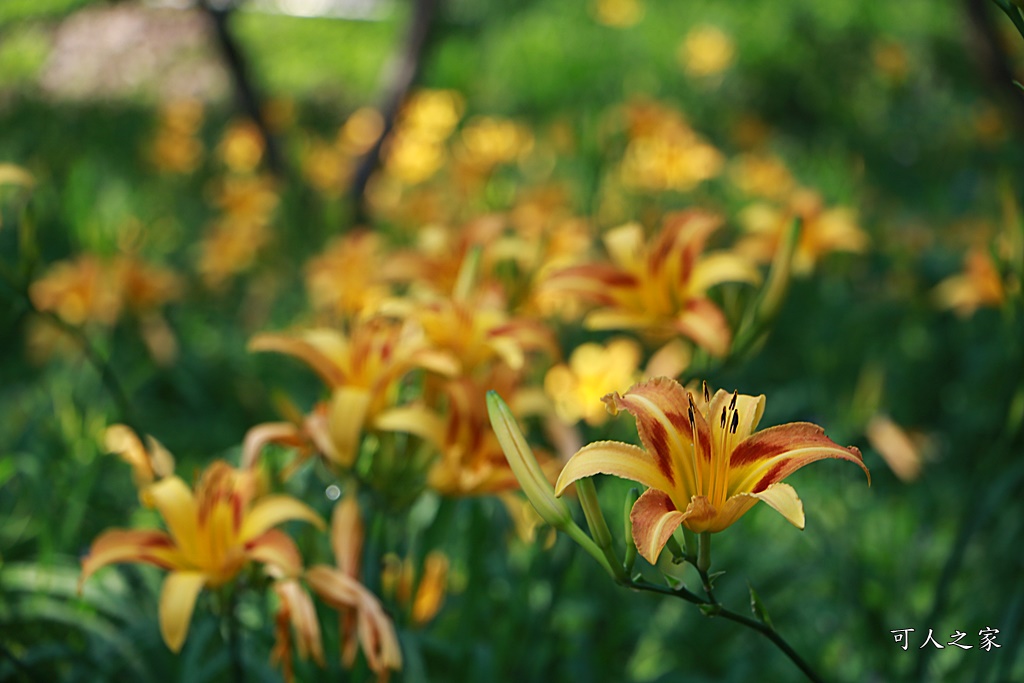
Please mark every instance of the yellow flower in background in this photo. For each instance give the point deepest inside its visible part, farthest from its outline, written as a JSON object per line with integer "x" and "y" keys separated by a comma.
{"x": 979, "y": 285}
{"x": 241, "y": 147}
{"x": 658, "y": 286}
{"x": 487, "y": 141}
{"x": 350, "y": 277}
{"x": 360, "y": 132}
{"x": 398, "y": 579}
{"x": 78, "y": 292}
{"x": 235, "y": 239}
{"x": 706, "y": 51}
{"x": 761, "y": 175}
{"x": 416, "y": 149}
{"x": 704, "y": 464}
{"x": 900, "y": 452}
{"x": 822, "y": 230}
{"x": 592, "y": 372}
{"x": 618, "y": 13}
{"x": 175, "y": 147}
{"x": 665, "y": 153}
{"x": 212, "y": 534}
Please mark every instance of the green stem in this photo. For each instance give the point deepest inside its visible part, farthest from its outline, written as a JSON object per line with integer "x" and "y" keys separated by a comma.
{"x": 764, "y": 629}
{"x": 598, "y": 526}
{"x": 232, "y": 632}
{"x": 1013, "y": 13}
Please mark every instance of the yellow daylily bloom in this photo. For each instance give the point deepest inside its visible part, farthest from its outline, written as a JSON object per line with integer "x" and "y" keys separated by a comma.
{"x": 704, "y": 464}
{"x": 660, "y": 287}
{"x": 593, "y": 371}
{"x": 362, "y": 370}
{"x": 212, "y": 534}
{"x": 149, "y": 462}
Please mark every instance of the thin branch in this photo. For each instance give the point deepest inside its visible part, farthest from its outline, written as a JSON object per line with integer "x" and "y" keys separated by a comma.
{"x": 245, "y": 92}
{"x": 405, "y": 68}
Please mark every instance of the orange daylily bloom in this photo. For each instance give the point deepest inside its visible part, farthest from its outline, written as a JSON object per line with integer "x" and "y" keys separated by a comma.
{"x": 979, "y": 285}
{"x": 213, "y": 533}
{"x": 702, "y": 460}
{"x": 362, "y": 370}
{"x": 660, "y": 287}
{"x": 295, "y": 612}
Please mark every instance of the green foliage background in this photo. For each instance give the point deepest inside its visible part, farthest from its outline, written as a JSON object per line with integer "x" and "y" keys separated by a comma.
{"x": 942, "y": 552}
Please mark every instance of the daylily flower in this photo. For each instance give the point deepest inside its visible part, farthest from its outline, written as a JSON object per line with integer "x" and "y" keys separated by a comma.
{"x": 362, "y": 370}
{"x": 213, "y": 533}
{"x": 979, "y": 285}
{"x": 660, "y": 287}
{"x": 702, "y": 460}
{"x": 295, "y": 612}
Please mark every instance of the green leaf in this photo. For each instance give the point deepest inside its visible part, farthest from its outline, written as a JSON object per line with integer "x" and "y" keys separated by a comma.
{"x": 757, "y": 607}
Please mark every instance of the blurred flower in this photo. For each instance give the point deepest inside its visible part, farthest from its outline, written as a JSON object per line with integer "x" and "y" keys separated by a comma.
{"x": 705, "y": 51}
{"x": 149, "y": 462}
{"x": 416, "y": 150}
{"x": 295, "y": 612}
{"x": 488, "y": 141}
{"x": 213, "y": 534}
{"x": 360, "y": 131}
{"x": 362, "y": 370}
{"x": 592, "y": 372}
{"x": 895, "y": 446}
{"x": 760, "y": 175}
{"x": 78, "y": 291}
{"x": 235, "y": 239}
{"x": 360, "y": 611}
{"x": 891, "y": 60}
{"x": 326, "y": 169}
{"x": 989, "y": 125}
{"x": 175, "y": 147}
{"x": 348, "y": 278}
{"x": 822, "y": 231}
{"x": 398, "y": 578}
{"x": 702, "y": 461}
{"x": 618, "y": 13}
{"x": 241, "y": 147}
{"x": 471, "y": 461}
{"x": 659, "y": 287}
{"x": 664, "y": 153}
{"x": 979, "y": 285}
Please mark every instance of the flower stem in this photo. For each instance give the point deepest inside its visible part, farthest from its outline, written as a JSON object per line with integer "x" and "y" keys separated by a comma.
{"x": 598, "y": 526}
{"x": 232, "y": 632}
{"x": 764, "y": 629}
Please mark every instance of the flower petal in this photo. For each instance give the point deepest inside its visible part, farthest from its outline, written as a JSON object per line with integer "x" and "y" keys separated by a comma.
{"x": 661, "y": 409}
{"x": 413, "y": 419}
{"x": 612, "y": 457}
{"x": 121, "y": 545}
{"x": 783, "y": 499}
{"x": 347, "y": 535}
{"x": 284, "y": 433}
{"x": 654, "y": 517}
{"x": 347, "y": 416}
{"x": 703, "y": 322}
{"x": 773, "y": 454}
{"x": 322, "y": 350}
{"x": 277, "y": 550}
{"x": 177, "y": 601}
{"x": 177, "y": 505}
{"x": 269, "y": 511}
{"x": 719, "y": 267}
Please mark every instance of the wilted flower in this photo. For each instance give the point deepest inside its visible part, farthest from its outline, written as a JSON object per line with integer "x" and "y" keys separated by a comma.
{"x": 702, "y": 460}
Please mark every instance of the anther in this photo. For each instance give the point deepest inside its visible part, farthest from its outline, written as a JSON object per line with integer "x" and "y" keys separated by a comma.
{"x": 735, "y": 423}
{"x": 732, "y": 403}
{"x": 723, "y": 417}
{"x": 707, "y": 394}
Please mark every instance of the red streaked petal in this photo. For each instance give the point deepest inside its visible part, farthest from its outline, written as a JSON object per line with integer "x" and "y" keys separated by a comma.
{"x": 277, "y": 550}
{"x": 654, "y": 517}
{"x": 257, "y": 438}
{"x": 661, "y": 409}
{"x": 703, "y": 322}
{"x": 321, "y": 350}
{"x": 771, "y": 455}
{"x": 123, "y": 545}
